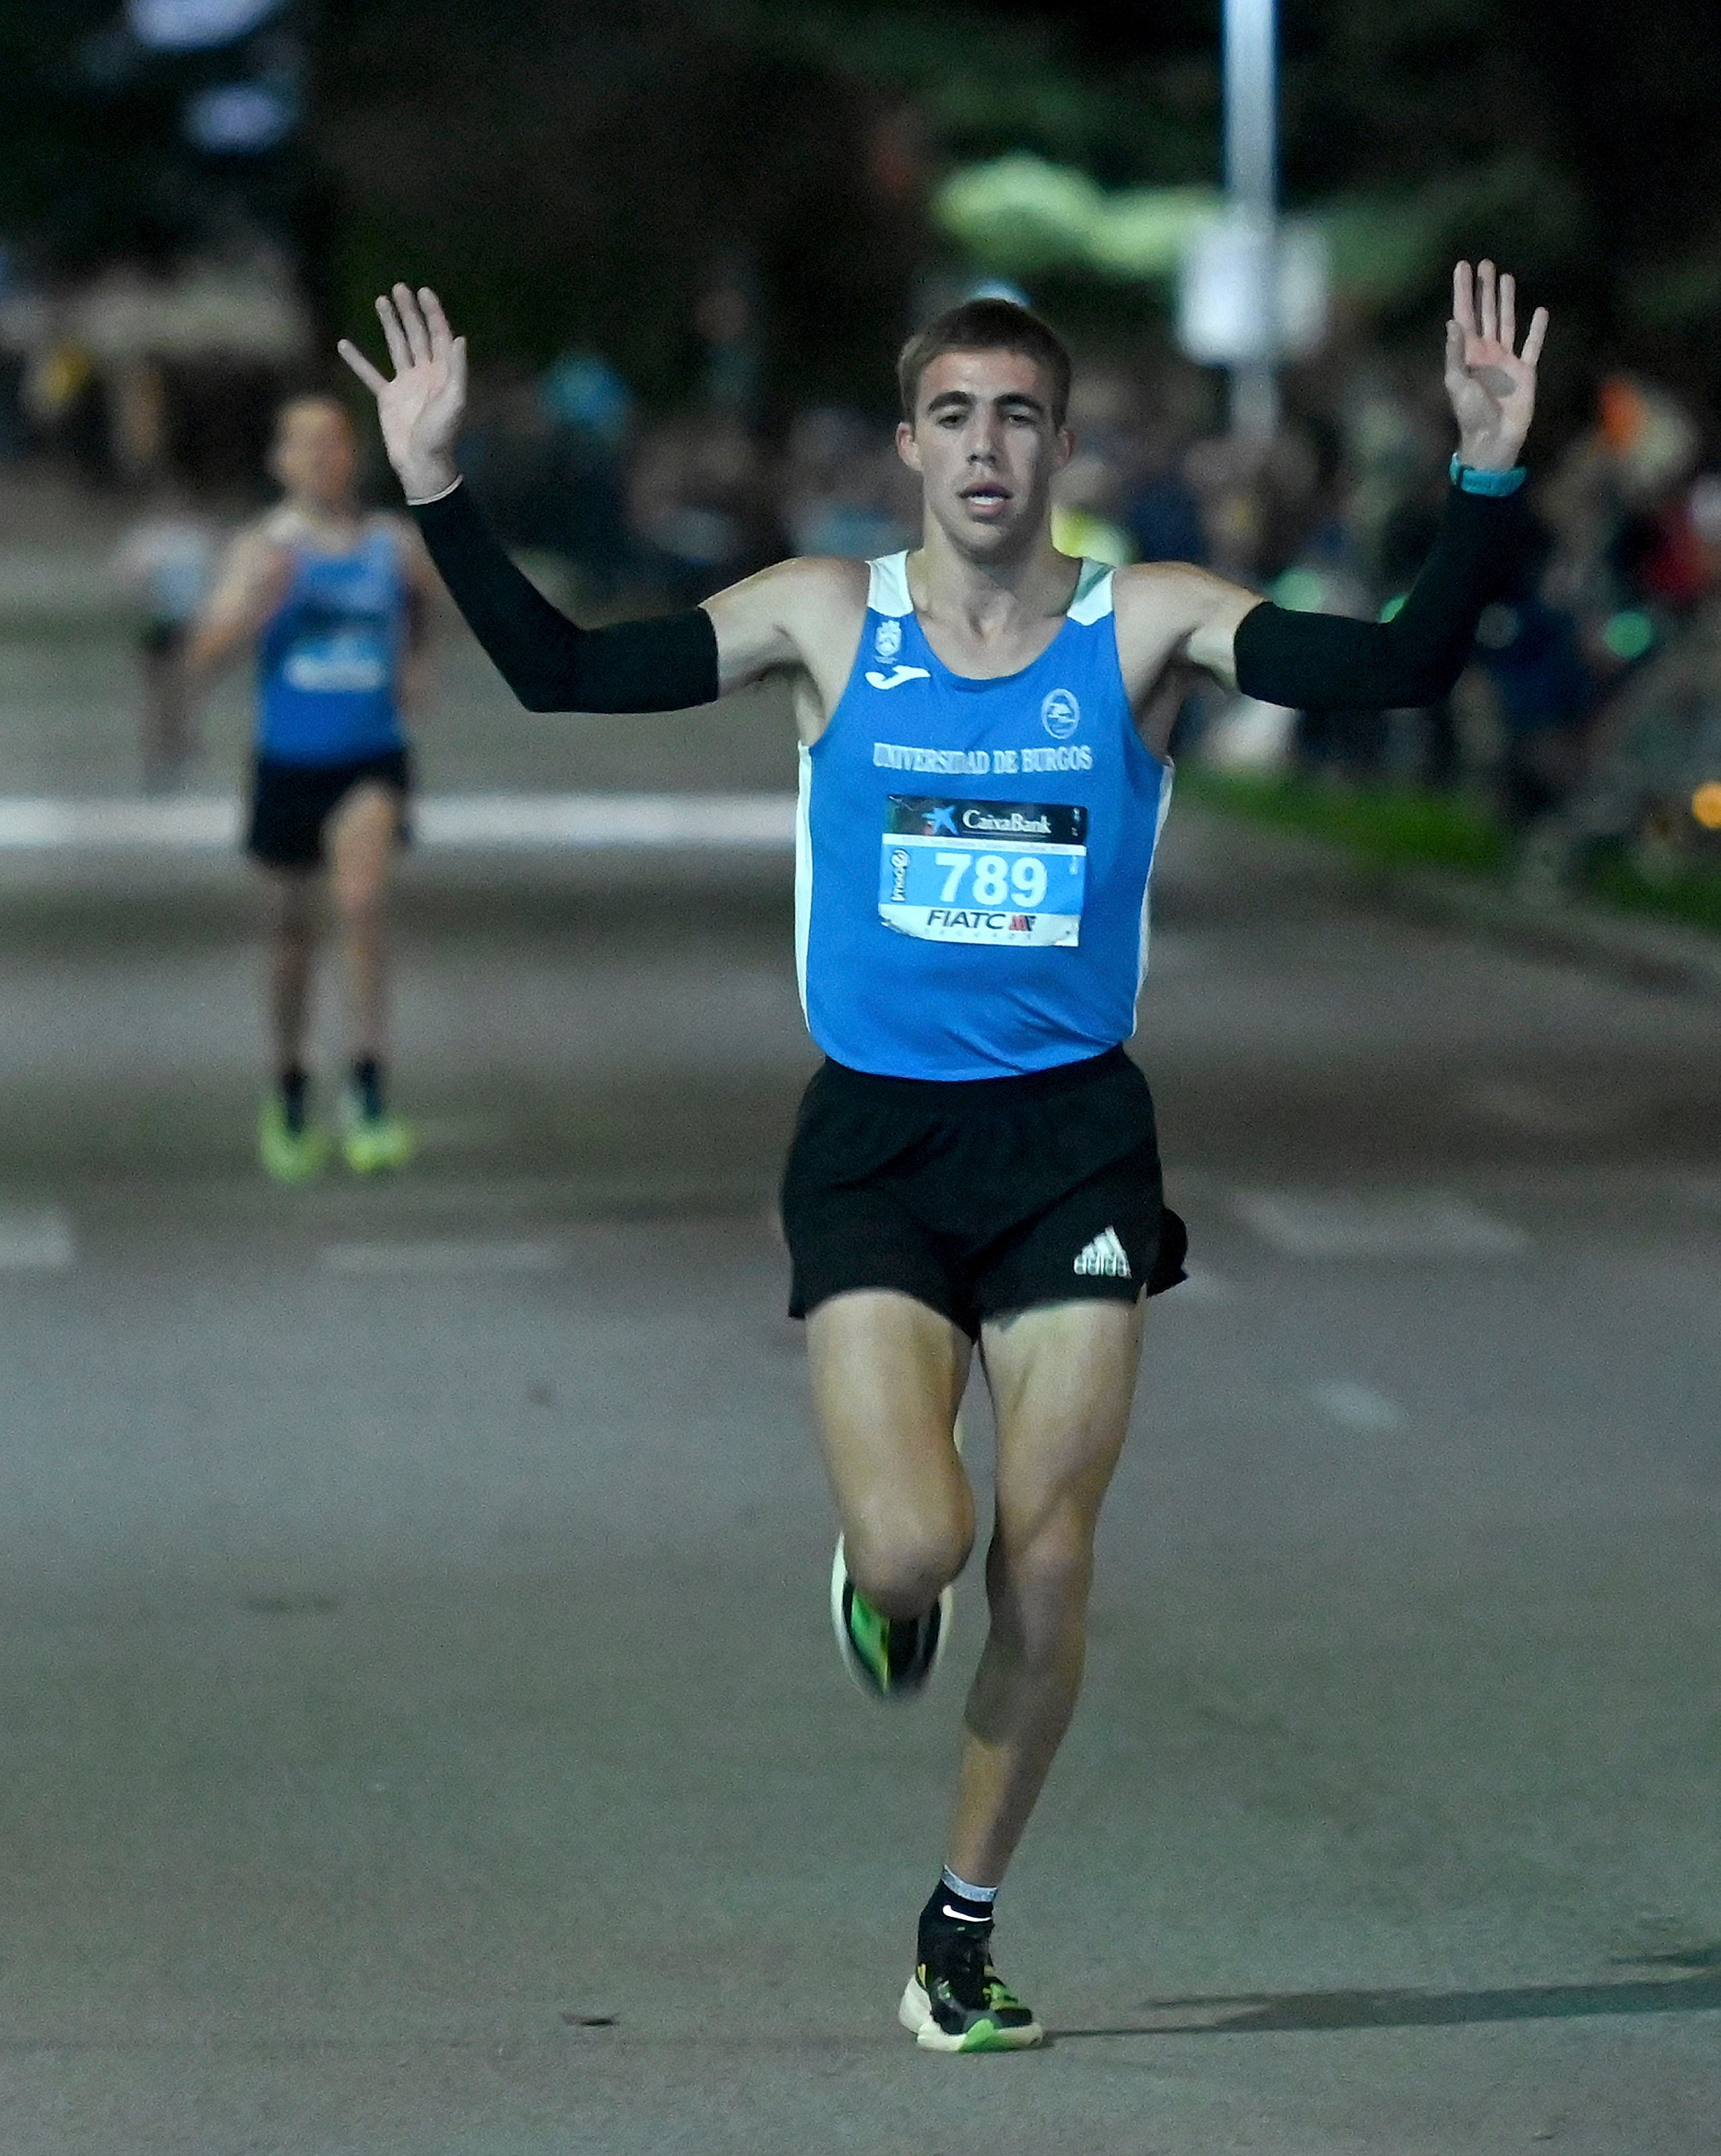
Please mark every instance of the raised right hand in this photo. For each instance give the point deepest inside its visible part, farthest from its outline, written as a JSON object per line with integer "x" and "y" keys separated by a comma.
{"x": 421, "y": 409}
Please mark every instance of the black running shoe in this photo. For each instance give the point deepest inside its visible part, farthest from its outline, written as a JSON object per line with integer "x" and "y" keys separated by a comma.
{"x": 888, "y": 1657}
{"x": 955, "y": 2000}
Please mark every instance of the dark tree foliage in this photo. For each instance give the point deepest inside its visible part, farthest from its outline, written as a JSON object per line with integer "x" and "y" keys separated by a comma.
{"x": 575, "y": 176}
{"x": 572, "y": 174}
{"x": 78, "y": 178}
{"x": 1609, "y": 112}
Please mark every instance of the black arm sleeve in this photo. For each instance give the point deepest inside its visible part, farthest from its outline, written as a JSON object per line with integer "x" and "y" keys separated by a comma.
{"x": 550, "y": 662}
{"x": 1321, "y": 662}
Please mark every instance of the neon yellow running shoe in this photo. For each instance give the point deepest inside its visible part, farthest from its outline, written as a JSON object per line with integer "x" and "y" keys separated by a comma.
{"x": 955, "y": 2000}
{"x": 288, "y": 1155}
{"x": 887, "y": 1657}
{"x": 373, "y": 1144}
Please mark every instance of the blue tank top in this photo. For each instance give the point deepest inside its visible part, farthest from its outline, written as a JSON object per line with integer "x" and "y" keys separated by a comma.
{"x": 972, "y": 856}
{"x": 329, "y": 660}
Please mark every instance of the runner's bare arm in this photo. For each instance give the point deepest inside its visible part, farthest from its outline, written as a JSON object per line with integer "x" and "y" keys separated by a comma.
{"x": 248, "y": 589}
{"x": 424, "y": 597}
{"x": 804, "y": 613}
{"x": 422, "y": 581}
{"x": 550, "y": 662}
{"x": 1171, "y": 614}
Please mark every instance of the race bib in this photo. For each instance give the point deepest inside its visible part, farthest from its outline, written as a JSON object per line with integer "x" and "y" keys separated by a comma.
{"x": 983, "y": 871}
{"x": 342, "y": 662}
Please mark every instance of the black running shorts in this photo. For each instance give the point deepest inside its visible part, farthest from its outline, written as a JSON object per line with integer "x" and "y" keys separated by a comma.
{"x": 292, "y": 803}
{"x": 980, "y": 1196}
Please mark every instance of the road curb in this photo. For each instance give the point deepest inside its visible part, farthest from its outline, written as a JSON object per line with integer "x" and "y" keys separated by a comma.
{"x": 1652, "y": 953}
{"x": 1658, "y": 954}
{"x": 212, "y": 823}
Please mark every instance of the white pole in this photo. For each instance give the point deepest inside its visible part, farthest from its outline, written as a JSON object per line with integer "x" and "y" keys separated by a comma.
{"x": 1251, "y": 172}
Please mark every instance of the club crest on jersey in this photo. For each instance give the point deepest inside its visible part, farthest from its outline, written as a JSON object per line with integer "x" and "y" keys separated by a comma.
{"x": 1061, "y": 714}
{"x": 888, "y": 640}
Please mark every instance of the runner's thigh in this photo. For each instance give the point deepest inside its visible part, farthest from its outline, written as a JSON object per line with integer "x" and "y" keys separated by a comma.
{"x": 888, "y": 1374}
{"x": 362, "y": 833}
{"x": 1062, "y": 1378}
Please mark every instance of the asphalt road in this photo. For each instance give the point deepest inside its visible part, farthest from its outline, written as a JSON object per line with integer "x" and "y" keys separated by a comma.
{"x": 419, "y": 1729}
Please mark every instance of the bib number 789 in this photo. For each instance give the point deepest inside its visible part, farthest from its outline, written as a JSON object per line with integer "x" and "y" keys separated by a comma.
{"x": 997, "y": 882}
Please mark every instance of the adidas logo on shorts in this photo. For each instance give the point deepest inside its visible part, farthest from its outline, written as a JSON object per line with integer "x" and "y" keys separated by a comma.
{"x": 1105, "y": 1255}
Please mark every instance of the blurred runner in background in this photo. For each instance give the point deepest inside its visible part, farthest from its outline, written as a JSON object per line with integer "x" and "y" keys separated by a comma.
{"x": 165, "y": 562}
{"x": 335, "y": 602}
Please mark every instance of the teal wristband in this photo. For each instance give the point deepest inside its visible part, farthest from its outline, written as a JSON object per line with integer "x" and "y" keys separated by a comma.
{"x": 1495, "y": 483}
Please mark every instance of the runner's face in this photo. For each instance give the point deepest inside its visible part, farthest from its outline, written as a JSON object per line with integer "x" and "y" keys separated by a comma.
{"x": 315, "y": 454}
{"x": 984, "y": 443}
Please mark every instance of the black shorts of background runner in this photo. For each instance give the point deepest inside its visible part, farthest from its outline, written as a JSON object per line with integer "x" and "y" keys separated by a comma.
{"x": 980, "y": 1196}
{"x": 292, "y": 803}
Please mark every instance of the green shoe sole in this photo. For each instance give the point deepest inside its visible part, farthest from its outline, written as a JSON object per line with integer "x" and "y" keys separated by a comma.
{"x": 290, "y": 1156}
{"x": 375, "y": 1147}
{"x": 915, "y": 2015}
{"x": 885, "y": 1660}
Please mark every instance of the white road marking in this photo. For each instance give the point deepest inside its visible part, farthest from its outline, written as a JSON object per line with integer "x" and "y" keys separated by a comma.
{"x": 1430, "y": 1223}
{"x": 1359, "y": 1407}
{"x": 36, "y": 1239}
{"x": 42, "y": 825}
{"x": 607, "y": 822}
{"x": 537, "y": 1254}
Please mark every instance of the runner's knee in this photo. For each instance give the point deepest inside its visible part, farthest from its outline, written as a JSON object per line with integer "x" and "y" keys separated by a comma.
{"x": 902, "y": 1563}
{"x": 357, "y": 894}
{"x": 1038, "y": 1582}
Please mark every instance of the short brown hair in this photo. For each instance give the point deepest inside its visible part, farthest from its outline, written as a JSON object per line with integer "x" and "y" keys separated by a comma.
{"x": 312, "y": 400}
{"x": 986, "y": 325}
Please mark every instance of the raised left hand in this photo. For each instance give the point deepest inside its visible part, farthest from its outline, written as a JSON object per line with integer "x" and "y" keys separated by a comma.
{"x": 1492, "y": 385}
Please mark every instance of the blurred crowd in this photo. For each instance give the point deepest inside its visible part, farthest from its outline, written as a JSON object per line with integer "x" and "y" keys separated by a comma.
{"x": 1590, "y": 720}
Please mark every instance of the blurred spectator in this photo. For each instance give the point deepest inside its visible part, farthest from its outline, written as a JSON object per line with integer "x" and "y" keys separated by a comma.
{"x": 61, "y": 395}
{"x": 1161, "y": 510}
{"x": 1324, "y": 579}
{"x": 1394, "y": 458}
{"x": 843, "y": 488}
{"x": 727, "y": 318}
{"x": 165, "y": 563}
{"x": 1611, "y": 505}
{"x": 550, "y": 458}
{"x": 1084, "y": 515}
{"x": 1531, "y": 655}
{"x": 1162, "y": 515}
{"x": 1656, "y": 765}
{"x": 590, "y": 412}
{"x": 1088, "y": 494}
{"x": 1425, "y": 745}
{"x": 700, "y": 506}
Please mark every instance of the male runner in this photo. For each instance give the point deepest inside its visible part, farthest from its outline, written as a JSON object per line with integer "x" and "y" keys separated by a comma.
{"x": 983, "y": 724}
{"x": 335, "y": 602}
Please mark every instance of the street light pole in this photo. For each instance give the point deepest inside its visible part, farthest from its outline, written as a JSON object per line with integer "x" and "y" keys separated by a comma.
{"x": 1251, "y": 171}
